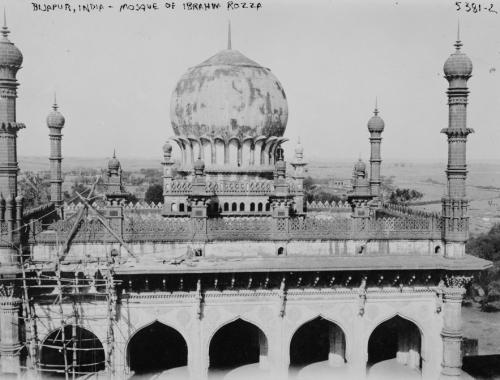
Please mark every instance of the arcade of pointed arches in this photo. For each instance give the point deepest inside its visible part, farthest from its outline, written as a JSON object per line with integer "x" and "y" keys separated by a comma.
{"x": 239, "y": 342}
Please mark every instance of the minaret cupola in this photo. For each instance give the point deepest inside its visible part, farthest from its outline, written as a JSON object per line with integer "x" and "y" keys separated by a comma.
{"x": 376, "y": 123}
{"x": 458, "y": 63}
{"x": 11, "y": 57}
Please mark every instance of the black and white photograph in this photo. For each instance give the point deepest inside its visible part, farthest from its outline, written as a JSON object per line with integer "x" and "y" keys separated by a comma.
{"x": 249, "y": 190}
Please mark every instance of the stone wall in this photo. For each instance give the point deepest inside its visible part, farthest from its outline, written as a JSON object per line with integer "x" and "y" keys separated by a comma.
{"x": 245, "y": 249}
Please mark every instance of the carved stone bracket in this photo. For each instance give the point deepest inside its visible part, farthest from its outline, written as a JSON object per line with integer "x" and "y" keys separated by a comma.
{"x": 199, "y": 298}
{"x": 362, "y": 297}
{"x": 282, "y": 295}
{"x": 456, "y": 281}
{"x": 439, "y": 297}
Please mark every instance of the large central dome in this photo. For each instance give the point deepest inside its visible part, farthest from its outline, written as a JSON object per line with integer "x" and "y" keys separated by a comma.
{"x": 227, "y": 96}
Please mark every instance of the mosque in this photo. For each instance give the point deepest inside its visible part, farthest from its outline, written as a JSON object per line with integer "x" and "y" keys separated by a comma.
{"x": 231, "y": 277}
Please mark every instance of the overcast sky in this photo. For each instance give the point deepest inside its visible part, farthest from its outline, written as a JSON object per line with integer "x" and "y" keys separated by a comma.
{"x": 114, "y": 73}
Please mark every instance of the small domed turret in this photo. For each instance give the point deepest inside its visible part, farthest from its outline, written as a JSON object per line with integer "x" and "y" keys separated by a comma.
{"x": 114, "y": 164}
{"x": 376, "y": 123}
{"x": 55, "y": 119}
{"x": 360, "y": 166}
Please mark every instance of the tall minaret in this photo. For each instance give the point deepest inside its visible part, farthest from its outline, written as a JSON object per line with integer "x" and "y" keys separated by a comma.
{"x": 375, "y": 127}
{"x": 457, "y": 70}
{"x": 10, "y": 62}
{"x": 55, "y": 122}
{"x": 298, "y": 175}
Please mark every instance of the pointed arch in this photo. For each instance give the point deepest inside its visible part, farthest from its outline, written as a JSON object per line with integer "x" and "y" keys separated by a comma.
{"x": 397, "y": 339}
{"x": 318, "y": 339}
{"x": 156, "y": 346}
{"x": 235, "y": 343}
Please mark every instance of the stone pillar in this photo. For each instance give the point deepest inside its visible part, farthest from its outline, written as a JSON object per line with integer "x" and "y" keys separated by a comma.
{"x": 10, "y": 345}
{"x": 357, "y": 356}
{"x": 195, "y": 361}
{"x": 336, "y": 356}
{"x": 226, "y": 152}
{"x": 8, "y": 251}
{"x": 452, "y": 332}
{"x": 252, "y": 154}
{"x": 239, "y": 158}
{"x": 19, "y": 212}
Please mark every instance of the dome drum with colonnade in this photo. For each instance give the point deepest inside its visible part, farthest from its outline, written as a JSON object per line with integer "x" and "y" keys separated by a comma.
{"x": 231, "y": 112}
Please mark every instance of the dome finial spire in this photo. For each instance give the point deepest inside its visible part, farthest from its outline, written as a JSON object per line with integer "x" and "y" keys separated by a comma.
{"x": 114, "y": 152}
{"x": 5, "y": 30}
{"x": 376, "y": 106}
{"x": 458, "y": 44}
{"x": 54, "y": 106}
{"x": 229, "y": 34}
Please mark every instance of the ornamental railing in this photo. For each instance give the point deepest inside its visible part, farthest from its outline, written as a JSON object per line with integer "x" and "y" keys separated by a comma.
{"x": 147, "y": 229}
{"x": 402, "y": 210}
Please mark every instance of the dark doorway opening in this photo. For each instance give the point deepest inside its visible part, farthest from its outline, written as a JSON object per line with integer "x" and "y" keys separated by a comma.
{"x": 156, "y": 348}
{"x": 396, "y": 338}
{"x": 315, "y": 341}
{"x": 236, "y": 344}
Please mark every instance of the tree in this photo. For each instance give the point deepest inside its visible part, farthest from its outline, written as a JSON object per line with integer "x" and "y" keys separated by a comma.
{"x": 154, "y": 193}
{"x": 487, "y": 246}
{"x": 34, "y": 189}
{"x": 131, "y": 198}
{"x": 403, "y": 196}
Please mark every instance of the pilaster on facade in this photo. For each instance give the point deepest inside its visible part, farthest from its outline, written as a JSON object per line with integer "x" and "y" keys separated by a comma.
{"x": 10, "y": 344}
{"x": 453, "y": 290}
